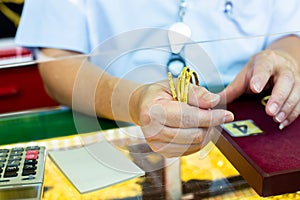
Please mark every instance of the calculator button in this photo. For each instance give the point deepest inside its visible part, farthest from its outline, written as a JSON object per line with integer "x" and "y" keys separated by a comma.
{"x": 10, "y": 174}
{"x": 12, "y": 158}
{"x": 30, "y": 162}
{"x": 32, "y": 152}
{"x": 13, "y": 163}
{"x": 28, "y": 172}
{"x": 3, "y": 154}
{"x": 4, "y": 150}
{"x": 29, "y": 167}
{"x": 16, "y": 153}
{"x": 10, "y": 169}
{"x": 32, "y": 157}
{"x": 17, "y": 149}
{"x": 32, "y": 148}
{"x": 29, "y": 177}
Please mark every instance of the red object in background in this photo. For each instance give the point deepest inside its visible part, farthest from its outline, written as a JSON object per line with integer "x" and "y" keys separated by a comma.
{"x": 15, "y": 55}
{"x": 21, "y": 88}
{"x": 14, "y": 52}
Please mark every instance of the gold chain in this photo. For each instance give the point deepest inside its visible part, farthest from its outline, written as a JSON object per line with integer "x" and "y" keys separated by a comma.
{"x": 186, "y": 77}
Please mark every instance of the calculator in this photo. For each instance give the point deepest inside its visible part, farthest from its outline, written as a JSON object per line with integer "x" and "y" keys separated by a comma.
{"x": 22, "y": 172}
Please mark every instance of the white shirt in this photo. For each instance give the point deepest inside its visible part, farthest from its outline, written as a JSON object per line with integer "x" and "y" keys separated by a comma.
{"x": 118, "y": 29}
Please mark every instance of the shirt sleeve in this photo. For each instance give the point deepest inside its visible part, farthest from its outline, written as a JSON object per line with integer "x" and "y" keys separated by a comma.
{"x": 54, "y": 24}
{"x": 285, "y": 19}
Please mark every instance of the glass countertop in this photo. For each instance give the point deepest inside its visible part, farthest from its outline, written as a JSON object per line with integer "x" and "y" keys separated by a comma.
{"x": 203, "y": 175}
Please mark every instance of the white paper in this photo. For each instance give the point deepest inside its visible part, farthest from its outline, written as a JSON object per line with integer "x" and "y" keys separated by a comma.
{"x": 90, "y": 168}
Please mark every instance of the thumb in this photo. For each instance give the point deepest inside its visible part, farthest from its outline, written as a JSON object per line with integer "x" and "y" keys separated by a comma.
{"x": 236, "y": 88}
{"x": 202, "y": 98}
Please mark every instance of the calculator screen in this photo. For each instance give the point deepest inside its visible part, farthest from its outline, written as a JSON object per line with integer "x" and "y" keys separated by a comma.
{"x": 25, "y": 192}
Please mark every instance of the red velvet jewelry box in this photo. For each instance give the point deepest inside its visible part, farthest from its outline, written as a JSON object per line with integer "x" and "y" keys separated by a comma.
{"x": 269, "y": 162}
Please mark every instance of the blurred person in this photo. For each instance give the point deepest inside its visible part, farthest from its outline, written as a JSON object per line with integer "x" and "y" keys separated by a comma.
{"x": 71, "y": 28}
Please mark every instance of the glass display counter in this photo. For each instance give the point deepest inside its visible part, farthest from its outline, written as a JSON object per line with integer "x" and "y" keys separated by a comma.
{"x": 204, "y": 175}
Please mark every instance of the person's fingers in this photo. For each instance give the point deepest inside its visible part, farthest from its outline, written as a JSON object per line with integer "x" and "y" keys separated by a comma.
{"x": 283, "y": 98}
{"x": 292, "y": 116}
{"x": 178, "y": 135}
{"x": 283, "y": 92}
{"x": 201, "y": 97}
{"x": 236, "y": 88}
{"x": 290, "y": 109}
{"x": 174, "y": 150}
{"x": 177, "y": 114}
{"x": 263, "y": 69}
{"x": 287, "y": 108}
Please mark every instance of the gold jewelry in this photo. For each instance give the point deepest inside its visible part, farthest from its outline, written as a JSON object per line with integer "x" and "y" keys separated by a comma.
{"x": 264, "y": 100}
{"x": 171, "y": 83}
{"x": 186, "y": 77}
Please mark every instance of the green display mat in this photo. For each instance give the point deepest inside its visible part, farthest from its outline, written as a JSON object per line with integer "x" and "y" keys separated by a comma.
{"x": 47, "y": 124}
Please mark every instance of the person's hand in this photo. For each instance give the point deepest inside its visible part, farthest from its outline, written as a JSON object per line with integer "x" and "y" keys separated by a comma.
{"x": 174, "y": 128}
{"x": 270, "y": 68}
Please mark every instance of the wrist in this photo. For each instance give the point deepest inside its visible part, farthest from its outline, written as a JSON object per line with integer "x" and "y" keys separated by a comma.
{"x": 135, "y": 104}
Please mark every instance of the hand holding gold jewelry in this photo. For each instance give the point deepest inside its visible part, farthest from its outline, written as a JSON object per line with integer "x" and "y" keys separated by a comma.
{"x": 179, "y": 122}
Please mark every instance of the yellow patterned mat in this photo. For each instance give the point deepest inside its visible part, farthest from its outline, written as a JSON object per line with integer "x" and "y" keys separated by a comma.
{"x": 208, "y": 164}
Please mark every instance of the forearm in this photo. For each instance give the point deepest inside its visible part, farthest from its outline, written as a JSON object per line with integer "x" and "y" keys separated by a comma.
{"x": 290, "y": 45}
{"x": 117, "y": 98}
{"x": 85, "y": 87}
